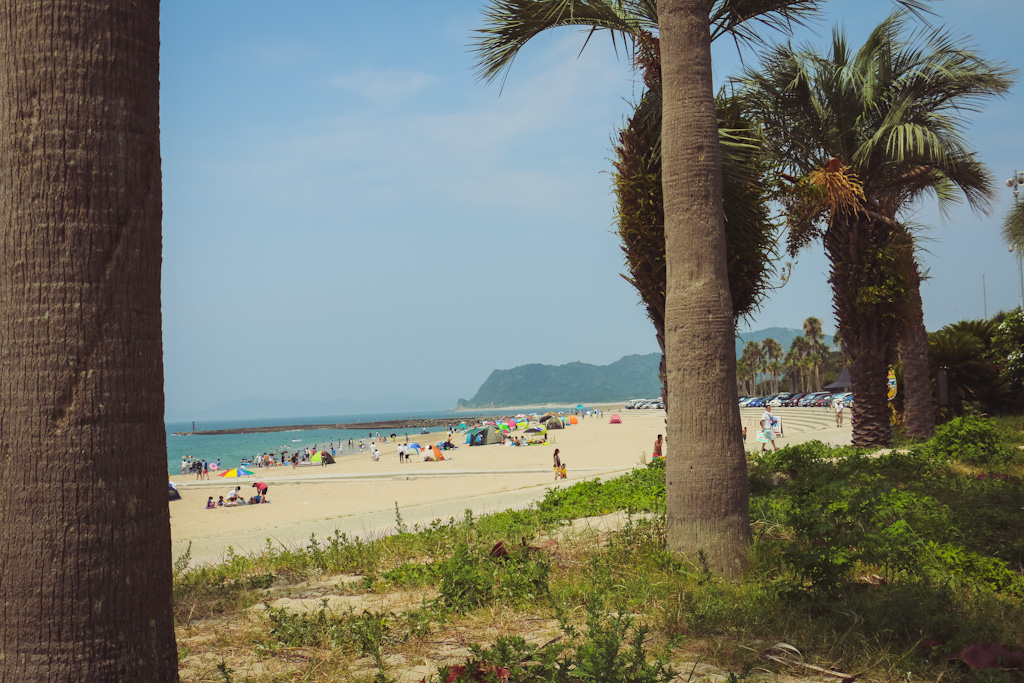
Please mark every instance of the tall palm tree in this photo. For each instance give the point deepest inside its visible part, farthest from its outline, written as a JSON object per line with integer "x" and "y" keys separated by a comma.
{"x": 701, "y": 517}
{"x": 1013, "y": 228}
{"x": 85, "y": 564}
{"x": 869, "y": 132}
{"x": 815, "y": 347}
{"x": 751, "y": 356}
{"x": 800, "y": 363}
{"x": 772, "y": 356}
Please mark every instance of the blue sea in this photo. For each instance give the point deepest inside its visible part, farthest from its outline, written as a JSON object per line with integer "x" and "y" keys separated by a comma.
{"x": 230, "y": 449}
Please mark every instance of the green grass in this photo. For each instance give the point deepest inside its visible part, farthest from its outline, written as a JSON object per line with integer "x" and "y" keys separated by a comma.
{"x": 855, "y": 559}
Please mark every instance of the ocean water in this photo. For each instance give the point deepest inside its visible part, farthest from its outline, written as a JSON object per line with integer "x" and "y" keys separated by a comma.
{"x": 230, "y": 449}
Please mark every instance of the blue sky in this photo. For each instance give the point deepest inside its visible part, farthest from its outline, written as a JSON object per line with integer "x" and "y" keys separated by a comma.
{"x": 350, "y": 213}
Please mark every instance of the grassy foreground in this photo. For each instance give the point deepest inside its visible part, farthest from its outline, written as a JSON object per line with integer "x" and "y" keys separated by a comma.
{"x": 877, "y": 567}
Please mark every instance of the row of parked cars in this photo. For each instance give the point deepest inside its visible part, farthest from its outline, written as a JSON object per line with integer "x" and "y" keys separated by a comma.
{"x": 815, "y": 398}
{"x": 643, "y": 403}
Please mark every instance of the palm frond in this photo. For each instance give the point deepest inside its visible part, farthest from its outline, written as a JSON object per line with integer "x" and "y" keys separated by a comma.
{"x": 1013, "y": 228}
{"x": 511, "y": 24}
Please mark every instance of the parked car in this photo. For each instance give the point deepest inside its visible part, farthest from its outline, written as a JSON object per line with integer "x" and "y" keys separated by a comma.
{"x": 779, "y": 400}
{"x": 811, "y": 399}
{"x": 793, "y": 399}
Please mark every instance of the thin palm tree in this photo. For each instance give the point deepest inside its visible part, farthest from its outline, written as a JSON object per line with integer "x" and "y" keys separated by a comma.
{"x": 800, "y": 350}
{"x": 751, "y": 357}
{"x": 1013, "y": 228}
{"x": 869, "y": 132}
{"x": 772, "y": 356}
{"x": 701, "y": 517}
{"x": 815, "y": 347}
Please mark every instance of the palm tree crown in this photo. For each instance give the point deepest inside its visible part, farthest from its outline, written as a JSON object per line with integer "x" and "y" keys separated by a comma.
{"x": 893, "y": 111}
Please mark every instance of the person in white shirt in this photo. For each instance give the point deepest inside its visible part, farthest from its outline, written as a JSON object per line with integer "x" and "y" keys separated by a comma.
{"x": 767, "y": 433}
{"x": 838, "y": 405}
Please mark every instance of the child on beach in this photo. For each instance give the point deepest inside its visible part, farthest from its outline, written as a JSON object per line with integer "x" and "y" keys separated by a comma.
{"x": 561, "y": 472}
{"x": 210, "y": 505}
{"x": 220, "y": 502}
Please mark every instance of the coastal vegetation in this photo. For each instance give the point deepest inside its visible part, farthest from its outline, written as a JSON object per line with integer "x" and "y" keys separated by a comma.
{"x": 869, "y": 132}
{"x": 881, "y": 566}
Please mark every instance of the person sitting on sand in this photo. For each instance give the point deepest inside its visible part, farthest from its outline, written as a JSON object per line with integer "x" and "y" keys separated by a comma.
{"x": 255, "y": 500}
{"x": 220, "y": 502}
{"x": 210, "y": 505}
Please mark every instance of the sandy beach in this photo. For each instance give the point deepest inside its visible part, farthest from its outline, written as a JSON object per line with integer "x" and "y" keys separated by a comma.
{"x": 357, "y": 496}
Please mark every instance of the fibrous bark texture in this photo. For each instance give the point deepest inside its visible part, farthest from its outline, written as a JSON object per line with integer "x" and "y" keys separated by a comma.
{"x": 85, "y": 565}
{"x": 706, "y": 475}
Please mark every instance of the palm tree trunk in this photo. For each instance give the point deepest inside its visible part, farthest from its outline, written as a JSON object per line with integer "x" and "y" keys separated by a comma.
{"x": 706, "y": 476}
{"x": 85, "y": 547}
{"x": 917, "y": 397}
{"x": 865, "y": 277}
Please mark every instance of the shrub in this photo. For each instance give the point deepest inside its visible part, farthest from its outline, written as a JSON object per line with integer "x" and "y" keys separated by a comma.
{"x": 971, "y": 440}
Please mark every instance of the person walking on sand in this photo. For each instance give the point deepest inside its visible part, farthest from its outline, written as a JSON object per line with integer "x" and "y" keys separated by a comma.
{"x": 838, "y": 405}
{"x": 657, "y": 448}
{"x": 558, "y": 464}
{"x": 767, "y": 433}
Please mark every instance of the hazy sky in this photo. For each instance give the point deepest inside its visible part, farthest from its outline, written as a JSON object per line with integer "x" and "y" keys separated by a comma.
{"x": 350, "y": 213}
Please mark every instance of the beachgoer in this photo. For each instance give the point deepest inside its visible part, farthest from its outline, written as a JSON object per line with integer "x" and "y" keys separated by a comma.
{"x": 220, "y": 501}
{"x": 558, "y": 463}
{"x": 261, "y": 489}
{"x": 206, "y": 470}
{"x": 838, "y": 405}
{"x": 767, "y": 433}
{"x": 210, "y": 505}
{"x": 561, "y": 471}
{"x": 657, "y": 447}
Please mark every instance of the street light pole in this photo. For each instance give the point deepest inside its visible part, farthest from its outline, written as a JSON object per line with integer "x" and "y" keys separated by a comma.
{"x": 1015, "y": 182}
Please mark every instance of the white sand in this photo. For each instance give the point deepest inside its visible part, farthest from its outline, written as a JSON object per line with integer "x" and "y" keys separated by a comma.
{"x": 357, "y": 496}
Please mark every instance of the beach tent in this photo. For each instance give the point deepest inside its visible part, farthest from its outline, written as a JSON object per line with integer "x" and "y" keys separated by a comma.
{"x": 512, "y": 425}
{"x": 554, "y": 423}
{"x": 545, "y": 417}
{"x": 580, "y": 407}
{"x": 462, "y": 425}
{"x": 574, "y": 420}
{"x": 437, "y": 453}
{"x": 536, "y": 430}
{"x": 172, "y": 492}
{"x": 412, "y": 449}
{"x": 483, "y": 436}
{"x": 616, "y": 420}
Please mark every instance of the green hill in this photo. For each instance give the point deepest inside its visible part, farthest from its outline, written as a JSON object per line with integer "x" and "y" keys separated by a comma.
{"x": 629, "y": 377}
{"x": 536, "y": 384}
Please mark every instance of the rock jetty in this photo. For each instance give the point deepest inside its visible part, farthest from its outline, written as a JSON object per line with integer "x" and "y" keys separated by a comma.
{"x": 368, "y": 426}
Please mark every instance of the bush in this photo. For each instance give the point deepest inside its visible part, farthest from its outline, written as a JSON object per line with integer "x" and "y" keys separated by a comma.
{"x": 971, "y": 440}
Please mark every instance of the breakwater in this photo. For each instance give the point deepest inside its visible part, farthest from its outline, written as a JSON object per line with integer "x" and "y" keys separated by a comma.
{"x": 369, "y": 426}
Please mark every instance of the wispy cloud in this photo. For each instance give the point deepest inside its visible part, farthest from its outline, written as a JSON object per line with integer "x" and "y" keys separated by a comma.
{"x": 285, "y": 55}
{"x": 384, "y": 87}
